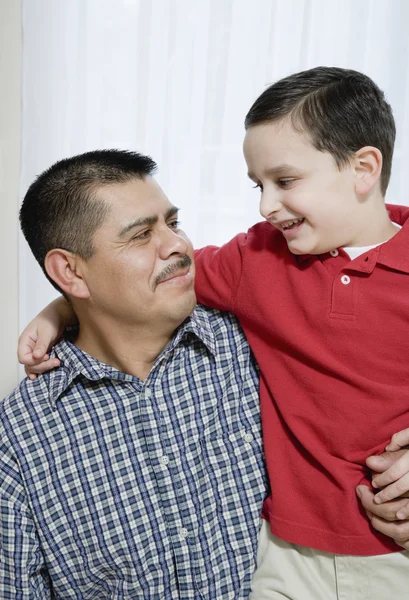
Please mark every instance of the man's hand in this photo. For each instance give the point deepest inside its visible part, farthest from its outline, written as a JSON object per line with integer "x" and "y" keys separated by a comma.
{"x": 392, "y": 472}
{"x": 383, "y": 516}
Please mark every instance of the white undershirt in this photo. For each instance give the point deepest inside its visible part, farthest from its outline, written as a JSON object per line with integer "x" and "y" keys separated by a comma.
{"x": 355, "y": 251}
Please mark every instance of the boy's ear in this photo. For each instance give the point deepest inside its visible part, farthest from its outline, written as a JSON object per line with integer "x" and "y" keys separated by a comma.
{"x": 368, "y": 168}
{"x": 64, "y": 268}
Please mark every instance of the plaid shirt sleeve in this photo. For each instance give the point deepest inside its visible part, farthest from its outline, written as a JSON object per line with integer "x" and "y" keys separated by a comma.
{"x": 22, "y": 572}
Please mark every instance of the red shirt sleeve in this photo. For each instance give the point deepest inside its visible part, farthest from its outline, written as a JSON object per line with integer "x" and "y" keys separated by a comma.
{"x": 218, "y": 272}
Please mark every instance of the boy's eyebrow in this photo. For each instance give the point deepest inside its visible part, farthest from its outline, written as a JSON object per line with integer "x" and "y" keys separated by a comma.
{"x": 278, "y": 170}
{"x": 151, "y": 220}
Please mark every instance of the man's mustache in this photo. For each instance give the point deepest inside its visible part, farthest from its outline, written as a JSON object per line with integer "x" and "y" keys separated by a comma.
{"x": 184, "y": 262}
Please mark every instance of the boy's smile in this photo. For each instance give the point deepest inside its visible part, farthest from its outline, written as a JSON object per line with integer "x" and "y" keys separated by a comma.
{"x": 304, "y": 194}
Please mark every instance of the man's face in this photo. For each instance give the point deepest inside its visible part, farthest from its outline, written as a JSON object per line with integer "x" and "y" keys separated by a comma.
{"x": 303, "y": 192}
{"x": 142, "y": 271}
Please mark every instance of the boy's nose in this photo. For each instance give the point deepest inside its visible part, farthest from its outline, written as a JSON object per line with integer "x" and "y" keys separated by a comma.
{"x": 270, "y": 203}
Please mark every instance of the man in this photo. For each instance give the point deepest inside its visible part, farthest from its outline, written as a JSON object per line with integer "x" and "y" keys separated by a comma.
{"x": 141, "y": 455}
{"x": 135, "y": 470}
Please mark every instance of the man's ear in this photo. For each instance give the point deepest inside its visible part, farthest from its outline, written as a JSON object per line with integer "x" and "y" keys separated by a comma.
{"x": 64, "y": 268}
{"x": 368, "y": 168}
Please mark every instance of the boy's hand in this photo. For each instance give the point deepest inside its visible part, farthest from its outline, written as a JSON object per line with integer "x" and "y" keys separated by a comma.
{"x": 392, "y": 472}
{"x": 41, "y": 334}
{"x": 383, "y": 516}
{"x": 32, "y": 350}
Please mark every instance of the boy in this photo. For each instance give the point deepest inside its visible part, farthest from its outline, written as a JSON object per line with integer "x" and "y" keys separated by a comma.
{"x": 320, "y": 289}
{"x": 329, "y": 341}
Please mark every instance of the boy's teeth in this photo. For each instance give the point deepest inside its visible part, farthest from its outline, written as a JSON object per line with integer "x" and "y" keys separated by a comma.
{"x": 291, "y": 223}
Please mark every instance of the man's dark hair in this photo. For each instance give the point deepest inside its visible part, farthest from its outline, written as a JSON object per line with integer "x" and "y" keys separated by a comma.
{"x": 341, "y": 110}
{"x": 60, "y": 208}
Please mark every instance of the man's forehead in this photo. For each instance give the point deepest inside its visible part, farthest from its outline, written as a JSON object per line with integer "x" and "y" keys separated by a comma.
{"x": 132, "y": 201}
{"x": 136, "y": 195}
{"x": 131, "y": 189}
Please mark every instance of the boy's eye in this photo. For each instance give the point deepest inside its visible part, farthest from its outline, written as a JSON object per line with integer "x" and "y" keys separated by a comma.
{"x": 285, "y": 182}
{"x": 258, "y": 185}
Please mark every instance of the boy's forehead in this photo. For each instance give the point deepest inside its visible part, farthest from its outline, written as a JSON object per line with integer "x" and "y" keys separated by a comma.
{"x": 273, "y": 133}
{"x": 275, "y": 145}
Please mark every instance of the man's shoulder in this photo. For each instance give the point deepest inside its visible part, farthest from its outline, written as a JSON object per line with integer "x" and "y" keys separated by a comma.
{"x": 24, "y": 401}
{"x": 25, "y": 393}
{"x": 217, "y": 318}
{"x": 229, "y": 342}
{"x": 221, "y": 324}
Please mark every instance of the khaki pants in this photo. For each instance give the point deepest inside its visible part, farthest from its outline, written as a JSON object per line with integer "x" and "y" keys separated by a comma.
{"x": 297, "y": 573}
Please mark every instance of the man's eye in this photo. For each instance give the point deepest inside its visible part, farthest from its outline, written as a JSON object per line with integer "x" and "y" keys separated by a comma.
{"x": 174, "y": 224}
{"x": 142, "y": 236}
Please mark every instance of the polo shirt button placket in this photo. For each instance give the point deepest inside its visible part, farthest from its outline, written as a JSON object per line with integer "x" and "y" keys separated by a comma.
{"x": 343, "y": 304}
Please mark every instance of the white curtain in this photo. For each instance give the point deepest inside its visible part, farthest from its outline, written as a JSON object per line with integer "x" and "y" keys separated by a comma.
{"x": 175, "y": 78}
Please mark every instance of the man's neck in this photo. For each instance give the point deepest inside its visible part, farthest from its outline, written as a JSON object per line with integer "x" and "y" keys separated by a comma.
{"x": 131, "y": 350}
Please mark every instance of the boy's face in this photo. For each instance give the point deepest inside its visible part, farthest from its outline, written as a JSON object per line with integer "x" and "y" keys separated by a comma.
{"x": 303, "y": 193}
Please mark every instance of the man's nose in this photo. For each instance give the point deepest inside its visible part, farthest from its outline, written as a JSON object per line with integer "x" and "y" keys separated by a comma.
{"x": 270, "y": 203}
{"x": 171, "y": 242}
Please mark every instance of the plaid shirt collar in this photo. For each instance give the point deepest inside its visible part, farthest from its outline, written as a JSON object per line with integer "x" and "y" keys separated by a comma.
{"x": 76, "y": 362}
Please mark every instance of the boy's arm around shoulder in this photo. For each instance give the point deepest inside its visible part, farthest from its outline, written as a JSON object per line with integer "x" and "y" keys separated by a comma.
{"x": 22, "y": 567}
{"x": 218, "y": 273}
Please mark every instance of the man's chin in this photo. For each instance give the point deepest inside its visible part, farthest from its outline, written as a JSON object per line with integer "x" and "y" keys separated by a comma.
{"x": 180, "y": 309}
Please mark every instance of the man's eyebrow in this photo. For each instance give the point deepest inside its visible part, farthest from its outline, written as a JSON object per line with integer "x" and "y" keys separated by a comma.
{"x": 278, "y": 170}
{"x": 144, "y": 221}
{"x": 171, "y": 212}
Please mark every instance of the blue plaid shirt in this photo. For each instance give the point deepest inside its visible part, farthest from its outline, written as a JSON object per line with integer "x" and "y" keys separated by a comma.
{"x": 117, "y": 488}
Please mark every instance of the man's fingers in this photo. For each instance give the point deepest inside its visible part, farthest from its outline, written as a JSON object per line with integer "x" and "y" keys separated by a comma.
{"x": 392, "y": 491}
{"x": 398, "y": 440}
{"x": 397, "y": 530}
{"x": 394, "y": 481}
{"x": 403, "y": 513}
{"x": 387, "y": 511}
{"x": 382, "y": 462}
{"x": 382, "y": 517}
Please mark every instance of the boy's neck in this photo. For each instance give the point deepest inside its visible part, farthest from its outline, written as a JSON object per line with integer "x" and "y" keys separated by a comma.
{"x": 375, "y": 238}
{"x": 381, "y": 228}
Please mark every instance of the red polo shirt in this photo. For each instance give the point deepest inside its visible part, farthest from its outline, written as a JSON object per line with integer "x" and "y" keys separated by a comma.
{"x": 331, "y": 337}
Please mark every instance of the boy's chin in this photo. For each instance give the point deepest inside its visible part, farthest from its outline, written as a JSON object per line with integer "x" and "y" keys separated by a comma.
{"x": 297, "y": 250}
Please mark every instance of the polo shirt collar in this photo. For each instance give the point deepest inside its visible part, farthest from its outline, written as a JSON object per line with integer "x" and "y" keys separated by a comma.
{"x": 393, "y": 254}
